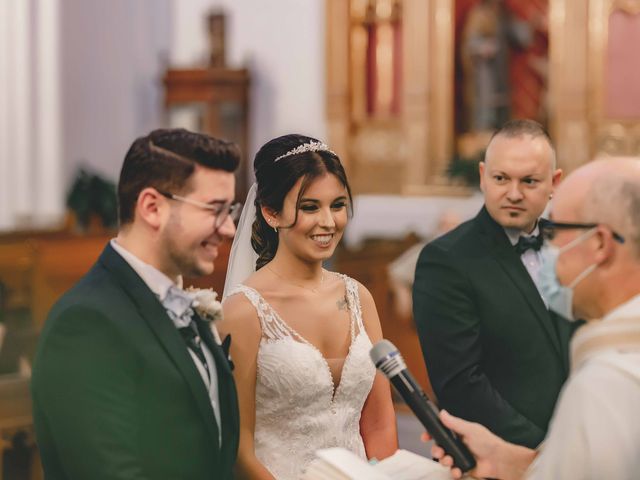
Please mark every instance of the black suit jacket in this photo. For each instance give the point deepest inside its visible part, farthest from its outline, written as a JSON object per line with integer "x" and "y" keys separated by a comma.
{"x": 494, "y": 353}
{"x": 116, "y": 394}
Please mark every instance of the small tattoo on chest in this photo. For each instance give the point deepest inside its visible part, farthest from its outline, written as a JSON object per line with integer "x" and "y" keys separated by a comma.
{"x": 342, "y": 303}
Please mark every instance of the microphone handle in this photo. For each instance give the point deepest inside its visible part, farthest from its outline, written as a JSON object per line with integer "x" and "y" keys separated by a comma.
{"x": 427, "y": 413}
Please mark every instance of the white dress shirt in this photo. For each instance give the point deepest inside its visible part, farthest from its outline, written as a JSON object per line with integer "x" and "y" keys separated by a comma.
{"x": 159, "y": 284}
{"x": 531, "y": 258}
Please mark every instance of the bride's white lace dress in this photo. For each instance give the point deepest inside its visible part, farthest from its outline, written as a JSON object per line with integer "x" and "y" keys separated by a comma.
{"x": 297, "y": 410}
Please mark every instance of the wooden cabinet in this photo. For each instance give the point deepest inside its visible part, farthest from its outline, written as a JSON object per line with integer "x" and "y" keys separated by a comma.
{"x": 219, "y": 97}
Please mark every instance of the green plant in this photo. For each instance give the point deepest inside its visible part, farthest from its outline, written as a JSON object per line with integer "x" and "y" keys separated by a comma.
{"x": 92, "y": 195}
{"x": 465, "y": 169}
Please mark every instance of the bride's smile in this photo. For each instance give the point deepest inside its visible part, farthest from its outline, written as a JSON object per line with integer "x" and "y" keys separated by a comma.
{"x": 313, "y": 231}
{"x": 323, "y": 240}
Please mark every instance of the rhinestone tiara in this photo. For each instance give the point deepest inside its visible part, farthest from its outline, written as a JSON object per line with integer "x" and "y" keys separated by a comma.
{"x": 306, "y": 147}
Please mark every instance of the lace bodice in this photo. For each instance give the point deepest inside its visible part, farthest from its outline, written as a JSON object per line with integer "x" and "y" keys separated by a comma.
{"x": 297, "y": 410}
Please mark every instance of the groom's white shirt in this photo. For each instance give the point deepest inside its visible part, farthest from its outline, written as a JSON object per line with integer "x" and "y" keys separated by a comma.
{"x": 531, "y": 259}
{"x": 159, "y": 284}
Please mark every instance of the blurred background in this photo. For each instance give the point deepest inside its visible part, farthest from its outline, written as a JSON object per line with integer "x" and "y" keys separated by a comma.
{"x": 407, "y": 92}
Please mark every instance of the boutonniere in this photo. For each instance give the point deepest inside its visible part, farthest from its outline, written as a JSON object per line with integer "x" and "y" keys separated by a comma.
{"x": 205, "y": 303}
{"x": 208, "y": 308}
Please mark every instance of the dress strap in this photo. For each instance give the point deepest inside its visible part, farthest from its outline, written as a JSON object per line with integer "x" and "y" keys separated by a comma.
{"x": 272, "y": 327}
{"x": 353, "y": 302}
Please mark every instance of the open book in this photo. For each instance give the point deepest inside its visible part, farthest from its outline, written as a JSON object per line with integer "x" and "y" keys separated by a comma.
{"x": 341, "y": 464}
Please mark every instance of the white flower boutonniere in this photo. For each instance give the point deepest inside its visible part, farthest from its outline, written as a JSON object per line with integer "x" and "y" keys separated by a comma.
{"x": 205, "y": 303}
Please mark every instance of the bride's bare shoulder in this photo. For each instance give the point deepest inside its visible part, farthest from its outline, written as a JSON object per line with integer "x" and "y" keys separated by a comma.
{"x": 238, "y": 313}
{"x": 236, "y": 304}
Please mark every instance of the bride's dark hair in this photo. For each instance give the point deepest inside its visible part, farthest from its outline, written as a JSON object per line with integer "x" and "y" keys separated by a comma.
{"x": 276, "y": 178}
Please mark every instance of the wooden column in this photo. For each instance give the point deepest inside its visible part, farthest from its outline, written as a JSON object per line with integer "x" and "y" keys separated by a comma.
{"x": 337, "y": 61}
{"x": 416, "y": 89}
{"x": 568, "y": 81}
{"x": 428, "y": 93}
{"x": 442, "y": 53}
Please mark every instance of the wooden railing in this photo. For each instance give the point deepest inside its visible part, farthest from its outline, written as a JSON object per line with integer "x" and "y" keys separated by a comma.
{"x": 35, "y": 269}
{"x": 16, "y": 429}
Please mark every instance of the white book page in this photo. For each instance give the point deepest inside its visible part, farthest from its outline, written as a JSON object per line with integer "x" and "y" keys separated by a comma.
{"x": 345, "y": 465}
{"x": 318, "y": 469}
{"x": 405, "y": 465}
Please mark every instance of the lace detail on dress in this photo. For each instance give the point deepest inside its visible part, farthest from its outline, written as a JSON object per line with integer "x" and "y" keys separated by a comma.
{"x": 353, "y": 301}
{"x": 297, "y": 410}
{"x": 272, "y": 327}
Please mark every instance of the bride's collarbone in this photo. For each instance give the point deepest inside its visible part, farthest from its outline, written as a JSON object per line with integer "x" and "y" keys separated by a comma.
{"x": 286, "y": 296}
{"x": 328, "y": 310}
{"x": 320, "y": 324}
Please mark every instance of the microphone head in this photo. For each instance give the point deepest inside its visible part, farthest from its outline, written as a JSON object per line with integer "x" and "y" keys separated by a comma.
{"x": 381, "y": 350}
{"x": 386, "y": 357}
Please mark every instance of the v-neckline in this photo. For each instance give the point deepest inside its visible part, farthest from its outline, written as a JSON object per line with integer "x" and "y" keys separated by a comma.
{"x": 335, "y": 388}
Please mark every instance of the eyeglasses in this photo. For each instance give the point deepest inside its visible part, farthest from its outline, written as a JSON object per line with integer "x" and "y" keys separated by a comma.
{"x": 548, "y": 229}
{"x": 221, "y": 210}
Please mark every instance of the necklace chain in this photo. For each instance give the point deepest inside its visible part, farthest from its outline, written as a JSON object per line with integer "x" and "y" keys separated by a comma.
{"x": 314, "y": 290}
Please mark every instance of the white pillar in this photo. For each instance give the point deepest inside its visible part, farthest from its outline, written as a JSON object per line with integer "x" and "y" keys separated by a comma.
{"x": 48, "y": 158}
{"x": 5, "y": 175}
{"x": 31, "y": 193}
{"x": 21, "y": 125}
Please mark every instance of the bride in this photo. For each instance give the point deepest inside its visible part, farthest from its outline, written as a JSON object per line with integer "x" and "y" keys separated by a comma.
{"x": 301, "y": 334}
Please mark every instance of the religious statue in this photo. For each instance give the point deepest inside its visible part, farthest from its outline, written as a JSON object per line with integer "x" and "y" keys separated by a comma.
{"x": 489, "y": 33}
{"x": 216, "y": 23}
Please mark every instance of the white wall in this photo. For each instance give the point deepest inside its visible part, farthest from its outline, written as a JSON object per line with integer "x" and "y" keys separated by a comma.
{"x": 109, "y": 66}
{"x": 113, "y": 56}
{"x": 281, "y": 42}
{"x": 30, "y": 146}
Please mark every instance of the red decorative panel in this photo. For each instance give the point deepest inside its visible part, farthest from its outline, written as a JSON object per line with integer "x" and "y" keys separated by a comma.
{"x": 622, "y": 67}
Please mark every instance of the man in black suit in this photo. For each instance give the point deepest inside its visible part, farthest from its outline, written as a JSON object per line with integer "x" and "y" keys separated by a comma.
{"x": 495, "y": 354}
{"x": 128, "y": 381}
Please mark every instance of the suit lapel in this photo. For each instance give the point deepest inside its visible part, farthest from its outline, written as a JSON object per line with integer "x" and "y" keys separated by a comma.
{"x": 226, "y": 391}
{"x": 205, "y": 332}
{"x": 504, "y": 253}
{"x": 152, "y": 311}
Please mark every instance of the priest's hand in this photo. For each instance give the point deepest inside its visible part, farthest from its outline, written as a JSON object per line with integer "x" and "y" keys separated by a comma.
{"x": 495, "y": 458}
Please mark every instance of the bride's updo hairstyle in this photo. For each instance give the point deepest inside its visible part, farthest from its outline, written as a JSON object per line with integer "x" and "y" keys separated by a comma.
{"x": 277, "y": 169}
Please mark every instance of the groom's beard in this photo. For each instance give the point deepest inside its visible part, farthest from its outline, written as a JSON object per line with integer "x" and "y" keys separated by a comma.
{"x": 190, "y": 253}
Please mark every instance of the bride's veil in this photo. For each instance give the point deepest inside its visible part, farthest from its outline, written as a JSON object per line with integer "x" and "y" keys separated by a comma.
{"x": 242, "y": 259}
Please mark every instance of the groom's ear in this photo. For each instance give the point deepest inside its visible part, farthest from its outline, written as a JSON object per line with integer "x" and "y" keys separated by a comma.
{"x": 151, "y": 207}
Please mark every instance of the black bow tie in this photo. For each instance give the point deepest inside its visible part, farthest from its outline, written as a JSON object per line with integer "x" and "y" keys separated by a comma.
{"x": 526, "y": 243}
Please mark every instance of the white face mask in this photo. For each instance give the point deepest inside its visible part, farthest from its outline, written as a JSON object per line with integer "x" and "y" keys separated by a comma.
{"x": 560, "y": 297}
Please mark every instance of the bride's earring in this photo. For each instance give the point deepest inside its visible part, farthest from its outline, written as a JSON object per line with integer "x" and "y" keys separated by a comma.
{"x": 270, "y": 222}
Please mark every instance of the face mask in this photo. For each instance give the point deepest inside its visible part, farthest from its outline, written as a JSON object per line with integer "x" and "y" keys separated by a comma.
{"x": 558, "y": 296}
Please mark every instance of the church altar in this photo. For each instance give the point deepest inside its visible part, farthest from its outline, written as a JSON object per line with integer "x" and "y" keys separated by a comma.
{"x": 393, "y": 217}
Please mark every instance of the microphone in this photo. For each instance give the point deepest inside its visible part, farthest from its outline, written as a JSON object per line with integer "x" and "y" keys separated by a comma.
{"x": 387, "y": 359}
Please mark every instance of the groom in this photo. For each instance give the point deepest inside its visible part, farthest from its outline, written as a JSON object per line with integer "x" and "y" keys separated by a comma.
{"x": 128, "y": 382}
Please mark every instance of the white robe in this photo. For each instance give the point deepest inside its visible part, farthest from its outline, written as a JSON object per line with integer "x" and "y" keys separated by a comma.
{"x": 595, "y": 430}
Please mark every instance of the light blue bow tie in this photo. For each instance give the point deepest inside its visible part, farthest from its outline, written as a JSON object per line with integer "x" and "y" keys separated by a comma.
{"x": 178, "y": 304}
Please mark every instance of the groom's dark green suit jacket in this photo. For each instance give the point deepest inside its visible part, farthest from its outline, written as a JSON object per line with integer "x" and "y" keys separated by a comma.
{"x": 116, "y": 394}
{"x": 494, "y": 353}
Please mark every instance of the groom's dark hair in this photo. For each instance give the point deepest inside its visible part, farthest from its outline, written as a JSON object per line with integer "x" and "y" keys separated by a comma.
{"x": 165, "y": 159}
